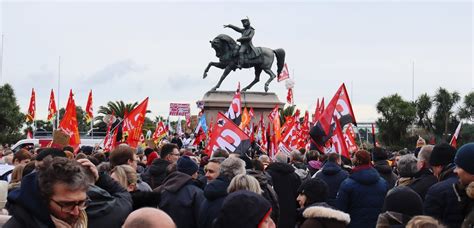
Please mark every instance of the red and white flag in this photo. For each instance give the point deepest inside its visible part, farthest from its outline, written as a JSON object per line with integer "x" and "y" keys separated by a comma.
{"x": 285, "y": 74}
{"x": 110, "y": 137}
{"x": 29, "y": 134}
{"x": 228, "y": 136}
{"x": 133, "y": 123}
{"x": 454, "y": 140}
{"x": 339, "y": 142}
{"x": 160, "y": 132}
{"x": 30, "y": 116}
{"x": 235, "y": 108}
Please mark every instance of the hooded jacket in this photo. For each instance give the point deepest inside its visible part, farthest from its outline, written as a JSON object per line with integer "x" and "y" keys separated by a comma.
{"x": 333, "y": 175}
{"x": 156, "y": 173}
{"x": 286, "y": 183}
{"x": 27, "y": 207}
{"x": 386, "y": 172}
{"x": 362, "y": 196}
{"x": 214, "y": 193}
{"x": 110, "y": 203}
{"x": 321, "y": 215}
{"x": 181, "y": 199}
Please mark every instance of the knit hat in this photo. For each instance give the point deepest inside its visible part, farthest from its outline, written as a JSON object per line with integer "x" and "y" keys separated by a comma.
{"x": 465, "y": 158}
{"x": 315, "y": 190}
{"x": 420, "y": 142}
{"x": 442, "y": 154}
{"x": 315, "y": 164}
{"x": 403, "y": 200}
{"x": 362, "y": 157}
{"x": 256, "y": 208}
{"x": 186, "y": 165}
{"x": 379, "y": 154}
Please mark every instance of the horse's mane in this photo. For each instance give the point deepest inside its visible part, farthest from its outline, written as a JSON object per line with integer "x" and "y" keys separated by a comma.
{"x": 231, "y": 42}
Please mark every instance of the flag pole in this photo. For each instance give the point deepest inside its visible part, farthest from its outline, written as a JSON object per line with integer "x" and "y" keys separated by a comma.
{"x": 59, "y": 92}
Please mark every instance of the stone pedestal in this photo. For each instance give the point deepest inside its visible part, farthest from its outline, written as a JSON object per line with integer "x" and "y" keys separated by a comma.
{"x": 219, "y": 101}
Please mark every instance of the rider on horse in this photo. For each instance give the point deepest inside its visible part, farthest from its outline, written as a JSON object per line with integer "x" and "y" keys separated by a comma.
{"x": 246, "y": 47}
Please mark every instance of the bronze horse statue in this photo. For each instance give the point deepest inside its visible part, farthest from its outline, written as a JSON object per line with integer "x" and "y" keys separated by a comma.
{"x": 226, "y": 47}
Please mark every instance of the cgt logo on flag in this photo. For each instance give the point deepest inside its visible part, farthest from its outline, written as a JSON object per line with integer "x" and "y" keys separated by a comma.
{"x": 228, "y": 136}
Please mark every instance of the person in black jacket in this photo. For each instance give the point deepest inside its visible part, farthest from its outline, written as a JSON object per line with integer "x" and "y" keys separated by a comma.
{"x": 382, "y": 166}
{"x": 424, "y": 178}
{"x": 180, "y": 198}
{"x": 216, "y": 191}
{"x": 285, "y": 183}
{"x": 401, "y": 204}
{"x": 442, "y": 201}
{"x": 333, "y": 175}
{"x": 156, "y": 173}
{"x": 53, "y": 196}
{"x": 464, "y": 161}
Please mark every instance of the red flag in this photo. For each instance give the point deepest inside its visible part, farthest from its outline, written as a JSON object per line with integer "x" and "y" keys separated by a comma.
{"x": 188, "y": 120}
{"x": 339, "y": 142}
{"x": 29, "y": 134}
{"x": 51, "y": 107}
{"x": 160, "y": 132}
{"x": 69, "y": 122}
{"x": 350, "y": 139}
{"x": 316, "y": 112}
{"x": 285, "y": 74}
{"x": 89, "y": 111}
{"x": 289, "y": 97}
{"x": 454, "y": 139}
{"x": 133, "y": 123}
{"x": 235, "y": 108}
{"x": 109, "y": 140}
{"x": 373, "y": 135}
{"x": 32, "y": 108}
{"x": 251, "y": 113}
{"x": 227, "y": 135}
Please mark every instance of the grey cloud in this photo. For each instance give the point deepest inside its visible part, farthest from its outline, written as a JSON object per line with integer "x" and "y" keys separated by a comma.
{"x": 116, "y": 71}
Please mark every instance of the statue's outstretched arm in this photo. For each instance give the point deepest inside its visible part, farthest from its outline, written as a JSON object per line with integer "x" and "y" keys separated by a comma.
{"x": 237, "y": 29}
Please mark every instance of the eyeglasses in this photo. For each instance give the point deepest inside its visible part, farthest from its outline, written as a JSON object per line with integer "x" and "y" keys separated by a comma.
{"x": 175, "y": 154}
{"x": 69, "y": 206}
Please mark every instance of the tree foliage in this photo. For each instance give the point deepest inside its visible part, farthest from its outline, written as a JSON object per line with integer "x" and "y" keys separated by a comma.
{"x": 444, "y": 116}
{"x": 423, "y": 108}
{"x": 467, "y": 109}
{"x": 397, "y": 115}
{"x": 11, "y": 119}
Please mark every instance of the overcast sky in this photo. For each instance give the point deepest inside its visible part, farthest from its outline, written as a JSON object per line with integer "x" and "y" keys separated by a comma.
{"x": 131, "y": 50}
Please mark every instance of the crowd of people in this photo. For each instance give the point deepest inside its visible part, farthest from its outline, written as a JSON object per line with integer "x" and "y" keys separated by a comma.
{"x": 175, "y": 186}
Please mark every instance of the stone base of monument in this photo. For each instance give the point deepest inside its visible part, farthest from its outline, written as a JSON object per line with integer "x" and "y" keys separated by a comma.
{"x": 261, "y": 102}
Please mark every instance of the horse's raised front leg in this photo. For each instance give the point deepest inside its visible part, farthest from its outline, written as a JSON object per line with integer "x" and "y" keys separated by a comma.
{"x": 224, "y": 75}
{"x": 272, "y": 76}
{"x": 257, "y": 78}
{"x": 216, "y": 64}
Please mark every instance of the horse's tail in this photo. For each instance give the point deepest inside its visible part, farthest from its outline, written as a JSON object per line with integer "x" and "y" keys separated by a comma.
{"x": 280, "y": 56}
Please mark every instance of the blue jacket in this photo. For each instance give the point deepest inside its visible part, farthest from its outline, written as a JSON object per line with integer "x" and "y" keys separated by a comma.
{"x": 214, "y": 193}
{"x": 443, "y": 202}
{"x": 362, "y": 196}
{"x": 27, "y": 207}
{"x": 333, "y": 175}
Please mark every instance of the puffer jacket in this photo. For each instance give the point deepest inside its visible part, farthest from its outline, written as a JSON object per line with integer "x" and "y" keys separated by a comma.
{"x": 333, "y": 175}
{"x": 362, "y": 196}
{"x": 321, "y": 215}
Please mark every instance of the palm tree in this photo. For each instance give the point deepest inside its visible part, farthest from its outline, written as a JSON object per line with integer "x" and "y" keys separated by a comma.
{"x": 444, "y": 102}
{"x": 118, "y": 108}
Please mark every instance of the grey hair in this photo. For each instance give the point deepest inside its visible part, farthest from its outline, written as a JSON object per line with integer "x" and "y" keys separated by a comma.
{"x": 264, "y": 158}
{"x": 281, "y": 157}
{"x": 296, "y": 155}
{"x": 244, "y": 182}
{"x": 232, "y": 167}
{"x": 407, "y": 165}
{"x": 425, "y": 153}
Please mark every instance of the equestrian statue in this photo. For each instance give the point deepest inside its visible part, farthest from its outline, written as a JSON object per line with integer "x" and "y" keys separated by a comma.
{"x": 233, "y": 56}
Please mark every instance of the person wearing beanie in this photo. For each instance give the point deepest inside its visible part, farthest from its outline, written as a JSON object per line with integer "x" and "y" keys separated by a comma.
{"x": 383, "y": 167}
{"x": 442, "y": 199}
{"x": 362, "y": 194}
{"x": 401, "y": 204}
{"x": 464, "y": 161}
{"x": 257, "y": 211}
{"x": 180, "y": 198}
{"x": 286, "y": 183}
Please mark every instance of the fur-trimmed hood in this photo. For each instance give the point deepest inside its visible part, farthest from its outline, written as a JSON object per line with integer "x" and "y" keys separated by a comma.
{"x": 326, "y": 213}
